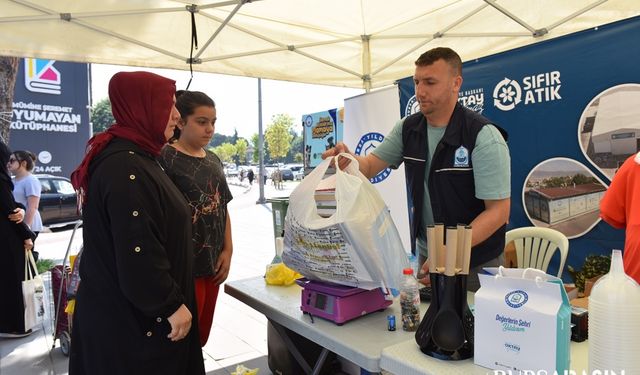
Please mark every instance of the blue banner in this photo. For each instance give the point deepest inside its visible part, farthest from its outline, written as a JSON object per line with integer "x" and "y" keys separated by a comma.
{"x": 51, "y": 114}
{"x": 571, "y": 108}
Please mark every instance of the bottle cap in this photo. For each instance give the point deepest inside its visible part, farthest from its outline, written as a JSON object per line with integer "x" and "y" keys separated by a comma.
{"x": 407, "y": 271}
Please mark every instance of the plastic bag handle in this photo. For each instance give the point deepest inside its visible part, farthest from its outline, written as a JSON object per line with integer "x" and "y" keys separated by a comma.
{"x": 354, "y": 167}
{"x": 28, "y": 273}
{"x": 347, "y": 156}
{"x": 306, "y": 190}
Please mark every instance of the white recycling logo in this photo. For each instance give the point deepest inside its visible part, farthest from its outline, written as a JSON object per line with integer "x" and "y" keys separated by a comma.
{"x": 507, "y": 94}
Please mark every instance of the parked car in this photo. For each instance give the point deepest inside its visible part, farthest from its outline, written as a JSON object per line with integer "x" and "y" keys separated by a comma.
{"x": 286, "y": 174}
{"x": 231, "y": 172}
{"x": 297, "y": 169}
{"x": 58, "y": 201}
{"x": 298, "y": 175}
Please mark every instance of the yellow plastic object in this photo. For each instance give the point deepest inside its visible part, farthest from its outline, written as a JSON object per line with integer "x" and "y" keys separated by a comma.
{"x": 71, "y": 305}
{"x": 241, "y": 370}
{"x": 72, "y": 261}
{"x": 279, "y": 274}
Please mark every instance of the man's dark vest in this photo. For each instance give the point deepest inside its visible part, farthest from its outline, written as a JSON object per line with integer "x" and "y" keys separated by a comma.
{"x": 451, "y": 182}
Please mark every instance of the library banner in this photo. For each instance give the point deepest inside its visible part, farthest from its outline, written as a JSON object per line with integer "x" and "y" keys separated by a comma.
{"x": 51, "y": 114}
{"x": 571, "y": 108}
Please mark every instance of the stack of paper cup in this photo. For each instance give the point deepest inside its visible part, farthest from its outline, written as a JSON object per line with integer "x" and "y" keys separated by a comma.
{"x": 614, "y": 322}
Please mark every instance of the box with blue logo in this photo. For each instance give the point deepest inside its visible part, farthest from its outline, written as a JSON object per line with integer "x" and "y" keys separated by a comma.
{"x": 322, "y": 131}
{"x": 522, "y": 321}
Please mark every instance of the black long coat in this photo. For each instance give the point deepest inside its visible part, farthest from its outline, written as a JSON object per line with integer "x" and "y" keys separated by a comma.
{"x": 12, "y": 258}
{"x": 136, "y": 270}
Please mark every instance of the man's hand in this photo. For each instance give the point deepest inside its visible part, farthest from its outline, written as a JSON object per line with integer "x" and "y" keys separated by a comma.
{"x": 222, "y": 267}
{"x": 17, "y": 216}
{"x": 180, "y": 323}
{"x": 339, "y": 148}
{"x": 28, "y": 244}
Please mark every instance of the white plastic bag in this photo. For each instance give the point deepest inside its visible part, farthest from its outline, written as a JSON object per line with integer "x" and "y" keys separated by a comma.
{"x": 33, "y": 293}
{"x": 357, "y": 246}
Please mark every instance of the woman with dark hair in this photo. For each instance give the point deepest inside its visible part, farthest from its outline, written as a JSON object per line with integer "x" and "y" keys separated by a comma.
{"x": 27, "y": 188}
{"x": 134, "y": 306}
{"x": 16, "y": 239}
{"x": 199, "y": 174}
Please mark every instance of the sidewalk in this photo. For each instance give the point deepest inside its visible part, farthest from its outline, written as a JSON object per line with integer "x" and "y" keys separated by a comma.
{"x": 239, "y": 334}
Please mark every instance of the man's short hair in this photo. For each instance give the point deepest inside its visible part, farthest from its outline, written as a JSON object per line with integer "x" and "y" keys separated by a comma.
{"x": 447, "y": 54}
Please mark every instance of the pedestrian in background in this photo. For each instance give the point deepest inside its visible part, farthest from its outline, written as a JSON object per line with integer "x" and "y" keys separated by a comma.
{"x": 16, "y": 240}
{"x": 26, "y": 187}
{"x": 250, "y": 176}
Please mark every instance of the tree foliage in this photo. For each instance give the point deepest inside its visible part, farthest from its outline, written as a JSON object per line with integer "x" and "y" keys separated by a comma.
{"x": 241, "y": 150}
{"x": 8, "y": 73}
{"x": 101, "y": 116}
{"x": 219, "y": 139}
{"x": 297, "y": 147}
{"x": 255, "y": 139}
{"x": 278, "y": 137}
{"x": 568, "y": 181}
{"x": 225, "y": 152}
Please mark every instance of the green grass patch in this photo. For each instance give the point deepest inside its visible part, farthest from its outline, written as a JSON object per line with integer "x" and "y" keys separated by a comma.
{"x": 44, "y": 265}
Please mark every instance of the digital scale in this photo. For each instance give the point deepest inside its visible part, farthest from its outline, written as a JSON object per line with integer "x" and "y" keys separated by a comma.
{"x": 339, "y": 303}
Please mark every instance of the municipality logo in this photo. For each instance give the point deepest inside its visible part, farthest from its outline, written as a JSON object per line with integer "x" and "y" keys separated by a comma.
{"x": 308, "y": 121}
{"x": 412, "y": 106}
{"x": 507, "y": 94}
{"x": 41, "y": 76}
{"x": 367, "y": 144}
{"x": 516, "y": 299}
{"x": 461, "y": 157}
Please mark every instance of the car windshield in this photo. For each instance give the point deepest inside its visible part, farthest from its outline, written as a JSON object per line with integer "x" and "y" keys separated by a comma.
{"x": 63, "y": 187}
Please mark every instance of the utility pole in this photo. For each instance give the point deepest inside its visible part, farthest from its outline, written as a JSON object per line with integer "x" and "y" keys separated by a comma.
{"x": 261, "y": 199}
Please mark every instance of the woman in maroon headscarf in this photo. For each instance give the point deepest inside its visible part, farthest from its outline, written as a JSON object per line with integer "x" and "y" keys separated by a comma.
{"x": 134, "y": 307}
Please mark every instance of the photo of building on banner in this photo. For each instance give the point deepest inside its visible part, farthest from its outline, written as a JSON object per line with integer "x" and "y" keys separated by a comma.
{"x": 322, "y": 130}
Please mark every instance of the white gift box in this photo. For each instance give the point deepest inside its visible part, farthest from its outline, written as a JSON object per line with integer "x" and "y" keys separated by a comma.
{"x": 522, "y": 321}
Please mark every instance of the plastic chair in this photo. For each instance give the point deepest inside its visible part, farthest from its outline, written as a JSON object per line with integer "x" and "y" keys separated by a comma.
{"x": 535, "y": 247}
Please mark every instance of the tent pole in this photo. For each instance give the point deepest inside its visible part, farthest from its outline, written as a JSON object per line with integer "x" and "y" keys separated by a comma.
{"x": 260, "y": 145}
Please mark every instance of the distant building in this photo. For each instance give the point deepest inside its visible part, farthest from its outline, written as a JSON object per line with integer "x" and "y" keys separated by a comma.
{"x": 553, "y": 205}
{"x": 249, "y": 154}
{"x": 616, "y": 129}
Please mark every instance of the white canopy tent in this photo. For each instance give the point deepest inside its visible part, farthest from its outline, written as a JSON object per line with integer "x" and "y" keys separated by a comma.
{"x": 352, "y": 43}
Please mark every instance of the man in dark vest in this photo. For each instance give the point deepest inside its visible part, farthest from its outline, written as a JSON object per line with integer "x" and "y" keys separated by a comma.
{"x": 457, "y": 163}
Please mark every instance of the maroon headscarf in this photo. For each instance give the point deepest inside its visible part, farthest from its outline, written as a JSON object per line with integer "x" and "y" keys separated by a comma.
{"x": 141, "y": 103}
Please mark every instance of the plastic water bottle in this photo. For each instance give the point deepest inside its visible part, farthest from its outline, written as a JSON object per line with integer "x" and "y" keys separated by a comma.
{"x": 410, "y": 301}
{"x": 415, "y": 266}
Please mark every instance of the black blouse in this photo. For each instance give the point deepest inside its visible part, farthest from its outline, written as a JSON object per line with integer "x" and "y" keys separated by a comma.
{"x": 201, "y": 180}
